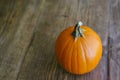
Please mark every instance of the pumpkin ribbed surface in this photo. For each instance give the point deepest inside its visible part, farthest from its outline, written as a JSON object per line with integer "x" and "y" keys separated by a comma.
{"x": 81, "y": 54}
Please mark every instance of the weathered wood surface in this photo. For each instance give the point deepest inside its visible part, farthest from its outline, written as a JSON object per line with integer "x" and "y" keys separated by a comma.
{"x": 29, "y": 28}
{"x": 114, "y": 40}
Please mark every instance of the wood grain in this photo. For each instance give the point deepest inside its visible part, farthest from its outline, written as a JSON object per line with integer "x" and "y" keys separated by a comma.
{"x": 15, "y": 36}
{"x": 40, "y": 62}
{"x": 29, "y": 28}
{"x": 114, "y": 46}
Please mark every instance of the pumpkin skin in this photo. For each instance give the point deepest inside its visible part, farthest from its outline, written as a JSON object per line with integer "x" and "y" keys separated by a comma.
{"x": 78, "y": 55}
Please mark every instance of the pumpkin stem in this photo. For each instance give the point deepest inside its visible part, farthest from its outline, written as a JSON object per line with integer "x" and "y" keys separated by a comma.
{"x": 77, "y": 30}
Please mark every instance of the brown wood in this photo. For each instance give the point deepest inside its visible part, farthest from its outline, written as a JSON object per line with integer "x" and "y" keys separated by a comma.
{"x": 29, "y": 28}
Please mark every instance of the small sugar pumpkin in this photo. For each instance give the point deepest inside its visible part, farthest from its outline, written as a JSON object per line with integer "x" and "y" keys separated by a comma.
{"x": 78, "y": 49}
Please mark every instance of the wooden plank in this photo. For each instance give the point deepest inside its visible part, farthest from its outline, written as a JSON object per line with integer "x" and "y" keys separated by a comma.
{"x": 18, "y": 20}
{"x": 39, "y": 62}
{"x": 114, "y": 40}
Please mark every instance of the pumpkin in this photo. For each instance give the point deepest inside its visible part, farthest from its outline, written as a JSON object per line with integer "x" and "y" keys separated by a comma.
{"x": 78, "y": 49}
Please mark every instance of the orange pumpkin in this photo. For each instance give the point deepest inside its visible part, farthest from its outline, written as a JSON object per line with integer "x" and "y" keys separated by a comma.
{"x": 78, "y": 49}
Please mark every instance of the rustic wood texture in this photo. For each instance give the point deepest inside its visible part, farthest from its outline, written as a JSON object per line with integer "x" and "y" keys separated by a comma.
{"x": 29, "y": 28}
{"x": 114, "y": 40}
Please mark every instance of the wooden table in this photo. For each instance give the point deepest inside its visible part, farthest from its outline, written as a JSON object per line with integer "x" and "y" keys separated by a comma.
{"x": 29, "y": 28}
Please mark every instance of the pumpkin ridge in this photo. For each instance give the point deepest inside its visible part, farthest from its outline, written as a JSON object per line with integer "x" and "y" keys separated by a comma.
{"x": 87, "y": 49}
{"x": 72, "y": 49}
{"x": 64, "y": 58}
{"x": 67, "y": 43}
{"x": 72, "y": 59}
{"x": 77, "y": 58}
{"x": 84, "y": 52}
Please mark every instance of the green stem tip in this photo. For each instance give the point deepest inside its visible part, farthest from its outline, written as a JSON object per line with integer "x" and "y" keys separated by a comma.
{"x": 77, "y": 30}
